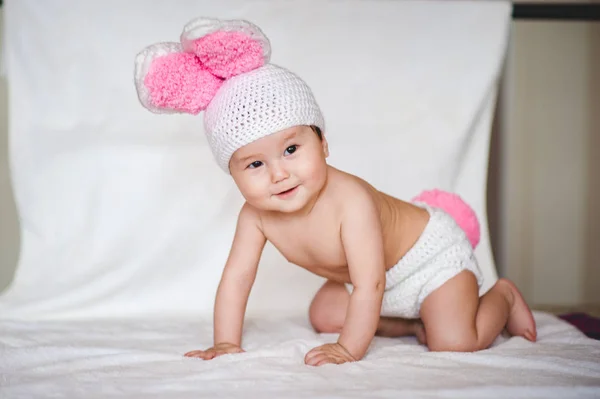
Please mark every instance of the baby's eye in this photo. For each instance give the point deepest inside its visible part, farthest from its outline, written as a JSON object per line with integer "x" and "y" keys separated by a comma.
{"x": 255, "y": 164}
{"x": 291, "y": 149}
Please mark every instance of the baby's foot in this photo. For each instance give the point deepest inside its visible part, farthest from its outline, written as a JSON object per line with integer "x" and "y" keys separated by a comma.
{"x": 520, "y": 319}
{"x": 396, "y": 327}
{"x": 420, "y": 333}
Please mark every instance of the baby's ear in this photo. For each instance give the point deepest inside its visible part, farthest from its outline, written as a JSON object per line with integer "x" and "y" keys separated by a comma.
{"x": 325, "y": 146}
{"x": 226, "y": 47}
{"x": 169, "y": 80}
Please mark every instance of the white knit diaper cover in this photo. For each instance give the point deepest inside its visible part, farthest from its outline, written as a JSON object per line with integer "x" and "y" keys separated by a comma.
{"x": 441, "y": 252}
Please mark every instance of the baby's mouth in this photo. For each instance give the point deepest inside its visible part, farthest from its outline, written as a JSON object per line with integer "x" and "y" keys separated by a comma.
{"x": 284, "y": 192}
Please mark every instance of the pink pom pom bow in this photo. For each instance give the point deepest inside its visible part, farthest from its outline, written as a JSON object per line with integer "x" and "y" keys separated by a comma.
{"x": 184, "y": 78}
{"x": 226, "y": 54}
{"x": 169, "y": 80}
{"x": 178, "y": 82}
{"x": 226, "y": 47}
{"x": 456, "y": 207}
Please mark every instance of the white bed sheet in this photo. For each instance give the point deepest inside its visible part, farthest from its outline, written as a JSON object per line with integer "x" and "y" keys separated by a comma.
{"x": 143, "y": 359}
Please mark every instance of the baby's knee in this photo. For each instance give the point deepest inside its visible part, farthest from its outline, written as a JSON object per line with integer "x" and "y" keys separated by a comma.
{"x": 322, "y": 321}
{"x": 450, "y": 343}
{"x": 327, "y": 311}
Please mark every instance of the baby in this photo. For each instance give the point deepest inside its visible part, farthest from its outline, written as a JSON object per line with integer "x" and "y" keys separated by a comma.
{"x": 393, "y": 268}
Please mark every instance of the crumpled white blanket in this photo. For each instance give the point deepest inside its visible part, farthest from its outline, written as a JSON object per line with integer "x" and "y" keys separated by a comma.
{"x": 143, "y": 359}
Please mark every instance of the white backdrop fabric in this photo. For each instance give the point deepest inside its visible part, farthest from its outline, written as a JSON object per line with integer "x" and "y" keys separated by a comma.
{"x": 125, "y": 212}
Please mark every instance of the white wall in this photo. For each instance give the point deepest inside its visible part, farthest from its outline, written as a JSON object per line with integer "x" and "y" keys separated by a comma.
{"x": 9, "y": 228}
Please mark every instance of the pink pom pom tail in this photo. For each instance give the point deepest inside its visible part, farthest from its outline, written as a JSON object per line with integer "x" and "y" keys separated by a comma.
{"x": 456, "y": 207}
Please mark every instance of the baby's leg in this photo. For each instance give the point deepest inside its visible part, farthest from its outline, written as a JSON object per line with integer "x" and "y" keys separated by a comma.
{"x": 328, "y": 312}
{"x": 456, "y": 319}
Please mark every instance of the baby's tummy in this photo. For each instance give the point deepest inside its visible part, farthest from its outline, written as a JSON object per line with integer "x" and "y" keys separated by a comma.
{"x": 325, "y": 261}
{"x": 335, "y": 273}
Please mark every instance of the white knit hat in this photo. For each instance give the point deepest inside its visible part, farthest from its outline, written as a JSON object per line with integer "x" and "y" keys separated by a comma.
{"x": 254, "y": 105}
{"x": 222, "y": 67}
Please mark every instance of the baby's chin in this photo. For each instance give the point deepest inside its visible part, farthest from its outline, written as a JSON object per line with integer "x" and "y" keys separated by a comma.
{"x": 290, "y": 209}
{"x": 285, "y": 207}
{"x": 275, "y": 204}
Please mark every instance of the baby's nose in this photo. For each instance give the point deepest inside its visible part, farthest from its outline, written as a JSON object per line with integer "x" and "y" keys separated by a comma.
{"x": 278, "y": 172}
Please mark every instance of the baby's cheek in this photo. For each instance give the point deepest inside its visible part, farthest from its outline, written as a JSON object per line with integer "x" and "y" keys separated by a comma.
{"x": 254, "y": 191}
{"x": 316, "y": 170}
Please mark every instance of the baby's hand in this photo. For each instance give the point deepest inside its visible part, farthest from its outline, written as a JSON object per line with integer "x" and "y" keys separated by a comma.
{"x": 328, "y": 353}
{"x": 217, "y": 350}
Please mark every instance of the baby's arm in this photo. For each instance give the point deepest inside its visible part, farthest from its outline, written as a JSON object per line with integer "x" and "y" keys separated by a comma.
{"x": 362, "y": 239}
{"x": 236, "y": 282}
{"x": 238, "y": 277}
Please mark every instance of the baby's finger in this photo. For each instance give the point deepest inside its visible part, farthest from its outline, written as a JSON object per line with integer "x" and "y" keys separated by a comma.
{"x": 326, "y": 360}
{"x": 311, "y": 354}
{"x": 206, "y": 355}
{"x": 314, "y": 360}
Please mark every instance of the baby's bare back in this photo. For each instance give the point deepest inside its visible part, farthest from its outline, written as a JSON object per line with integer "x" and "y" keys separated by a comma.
{"x": 313, "y": 241}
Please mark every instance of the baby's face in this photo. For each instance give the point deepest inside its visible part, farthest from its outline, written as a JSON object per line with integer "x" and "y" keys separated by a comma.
{"x": 283, "y": 171}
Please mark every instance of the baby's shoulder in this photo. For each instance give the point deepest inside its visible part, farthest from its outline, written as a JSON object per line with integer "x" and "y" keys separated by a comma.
{"x": 249, "y": 216}
{"x": 351, "y": 192}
